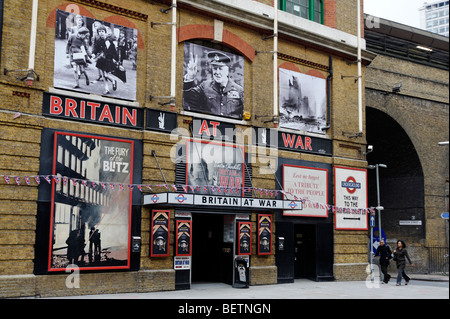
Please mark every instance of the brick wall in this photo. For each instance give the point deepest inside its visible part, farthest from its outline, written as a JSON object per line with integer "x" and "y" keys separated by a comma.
{"x": 20, "y": 138}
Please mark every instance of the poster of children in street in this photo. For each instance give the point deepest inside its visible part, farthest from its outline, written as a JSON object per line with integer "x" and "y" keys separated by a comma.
{"x": 95, "y": 57}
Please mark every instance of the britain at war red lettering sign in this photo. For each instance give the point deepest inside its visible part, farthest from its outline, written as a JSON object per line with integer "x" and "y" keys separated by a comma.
{"x": 79, "y": 109}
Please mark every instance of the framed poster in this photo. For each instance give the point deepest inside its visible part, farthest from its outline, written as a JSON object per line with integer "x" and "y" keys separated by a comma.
{"x": 160, "y": 229}
{"x": 211, "y": 164}
{"x": 264, "y": 234}
{"x": 350, "y": 189}
{"x": 183, "y": 238}
{"x": 244, "y": 238}
{"x": 213, "y": 81}
{"x": 95, "y": 57}
{"x": 91, "y": 204}
{"x": 303, "y": 101}
{"x": 307, "y": 183}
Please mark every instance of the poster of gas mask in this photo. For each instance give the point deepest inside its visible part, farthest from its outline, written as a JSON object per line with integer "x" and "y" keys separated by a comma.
{"x": 215, "y": 168}
{"x": 264, "y": 234}
{"x": 302, "y": 101}
{"x": 245, "y": 238}
{"x": 160, "y": 233}
{"x": 183, "y": 238}
{"x": 91, "y": 202}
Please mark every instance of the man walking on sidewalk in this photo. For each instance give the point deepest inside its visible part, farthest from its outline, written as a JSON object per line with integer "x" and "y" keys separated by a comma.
{"x": 385, "y": 255}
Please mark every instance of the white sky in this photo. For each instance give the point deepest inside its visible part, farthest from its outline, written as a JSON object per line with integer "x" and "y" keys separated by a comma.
{"x": 402, "y": 11}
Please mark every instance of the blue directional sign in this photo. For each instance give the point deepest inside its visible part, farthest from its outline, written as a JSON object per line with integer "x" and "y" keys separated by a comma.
{"x": 372, "y": 221}
{"x": 444, "y": 215}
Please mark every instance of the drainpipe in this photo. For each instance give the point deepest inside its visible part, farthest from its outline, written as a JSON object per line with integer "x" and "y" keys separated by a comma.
{"x": 359, "y": 68}
{"x": 329, "y": 79}
{"x": 174, "y": 55}
{"x": 275, "y": 64}
{"x": 30, "y": 76}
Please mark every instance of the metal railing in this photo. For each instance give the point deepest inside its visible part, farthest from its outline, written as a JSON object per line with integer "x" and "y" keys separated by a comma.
{"x": 437, "y": 262}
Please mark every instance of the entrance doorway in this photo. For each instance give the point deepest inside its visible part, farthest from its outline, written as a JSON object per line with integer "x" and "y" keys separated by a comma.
{"x": 305, "y": 251}
{"x": 212, "y": 248}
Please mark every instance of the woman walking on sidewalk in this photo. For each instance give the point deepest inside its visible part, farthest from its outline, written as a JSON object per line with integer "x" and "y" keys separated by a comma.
{"x": 400, "y": 256}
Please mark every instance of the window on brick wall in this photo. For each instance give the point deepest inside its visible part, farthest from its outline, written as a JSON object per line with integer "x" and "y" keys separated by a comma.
{"x": 308, "y": 9}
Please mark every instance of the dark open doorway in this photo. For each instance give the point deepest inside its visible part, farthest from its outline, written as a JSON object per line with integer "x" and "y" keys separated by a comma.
{"x": 305, "y": 251}
{"x": 212, "y": 248}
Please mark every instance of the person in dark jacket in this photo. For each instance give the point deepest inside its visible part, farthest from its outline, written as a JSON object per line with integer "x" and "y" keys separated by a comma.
{"x": 400, "y": 256}
{"x": 107, "y": 58}
{"x": 385, "y": 255}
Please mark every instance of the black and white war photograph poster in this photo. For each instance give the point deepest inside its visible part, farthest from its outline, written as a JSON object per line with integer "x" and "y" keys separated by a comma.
{"x": 93, "y": 56}
{"x": 302, "y": 101}
{"x": 213, "y": 81}
{"x": 215, "y": 165}
{"x": 91, "y": 202}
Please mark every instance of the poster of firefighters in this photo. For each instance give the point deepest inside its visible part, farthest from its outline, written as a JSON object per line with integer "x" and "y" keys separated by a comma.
{"x": 213, "y": 81}
{"x": 91, "y": 202}
{"x": 302, "y": 102}
{"x": 216, "y": 165}
{"x": 93, "y": 56}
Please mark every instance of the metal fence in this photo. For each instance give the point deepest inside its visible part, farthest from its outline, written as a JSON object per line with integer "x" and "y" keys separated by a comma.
{"x": 437, "y": 262}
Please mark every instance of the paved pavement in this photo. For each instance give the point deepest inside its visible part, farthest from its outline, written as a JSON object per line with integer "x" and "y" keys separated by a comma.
{"x": 420, "y": 287}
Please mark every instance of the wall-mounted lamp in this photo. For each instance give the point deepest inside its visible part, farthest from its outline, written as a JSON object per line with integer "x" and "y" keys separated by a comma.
{"x": 396, "y": 88}
{"x": 29, "y": 78}
{"x": 273, "y": 118}
{"x": 369, "y": 149}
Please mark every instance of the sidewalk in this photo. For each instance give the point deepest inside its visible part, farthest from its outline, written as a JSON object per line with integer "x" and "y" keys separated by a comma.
{"x": 420, "y": 287}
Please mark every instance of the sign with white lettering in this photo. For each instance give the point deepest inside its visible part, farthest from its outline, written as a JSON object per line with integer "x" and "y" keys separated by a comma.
{"x": 350, "y": 189}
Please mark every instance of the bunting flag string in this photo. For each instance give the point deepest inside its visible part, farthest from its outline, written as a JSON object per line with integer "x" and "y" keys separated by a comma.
{"x": 169, "y": 187}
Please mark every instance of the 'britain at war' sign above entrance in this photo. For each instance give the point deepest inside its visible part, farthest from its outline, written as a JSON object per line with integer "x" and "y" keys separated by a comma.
{"x": 228, "y": 201}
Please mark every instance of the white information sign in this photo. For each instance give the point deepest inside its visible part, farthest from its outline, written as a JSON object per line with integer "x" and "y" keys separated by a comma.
{"x": 350, "y": 189}
{"x": 310, "y": 184}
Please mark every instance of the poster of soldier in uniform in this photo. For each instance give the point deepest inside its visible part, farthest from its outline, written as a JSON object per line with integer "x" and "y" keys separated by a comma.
{"x": 213, "y": 81}
{"x": 93, "y": 56}
{"x": 302, "y": 102}
{"x": 91, "y": 202}
{"x": 215, "y": 165}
